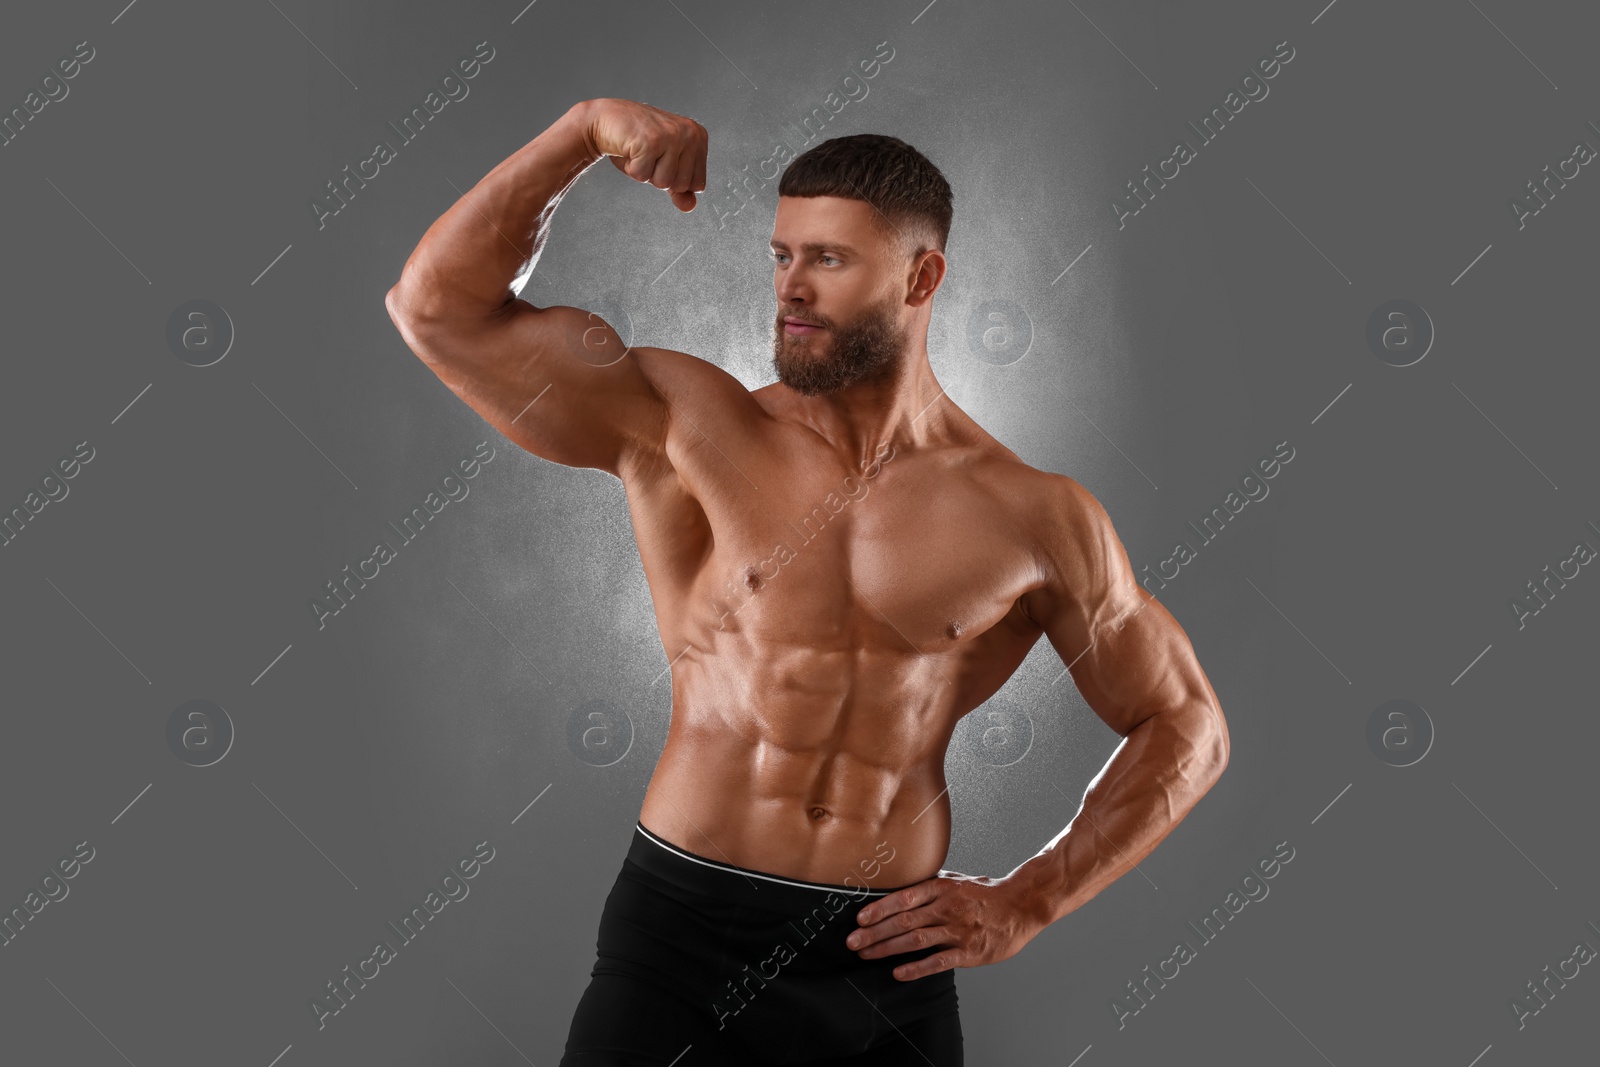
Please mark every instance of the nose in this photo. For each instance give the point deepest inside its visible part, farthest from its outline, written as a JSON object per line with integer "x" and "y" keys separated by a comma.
{"x": 791, "y": 285}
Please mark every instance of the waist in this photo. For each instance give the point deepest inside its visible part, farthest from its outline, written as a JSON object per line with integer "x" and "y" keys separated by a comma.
{"x": 712, "y": 877}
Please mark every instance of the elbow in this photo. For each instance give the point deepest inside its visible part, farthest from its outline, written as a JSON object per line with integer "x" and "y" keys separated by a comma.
{"x": 1219, "y": 762}
{"x": 429, "y": 316}
{"x": 1205, "y": 742}
{"x": 414, "y": 299}
{"x": 399, "y": 307}
{"x": 394, "y": 303}
{"x": 408, "y": 319}
{"x": 1219, "y": 745}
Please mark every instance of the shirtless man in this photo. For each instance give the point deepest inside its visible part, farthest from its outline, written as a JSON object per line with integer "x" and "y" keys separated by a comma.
{"x": 843, "y": 564}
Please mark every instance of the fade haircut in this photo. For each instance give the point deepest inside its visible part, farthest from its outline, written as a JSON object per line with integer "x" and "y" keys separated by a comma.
{"x": 912, "y": 198}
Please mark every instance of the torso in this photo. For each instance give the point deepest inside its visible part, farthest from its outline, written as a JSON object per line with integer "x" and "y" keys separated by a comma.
{"x": 828, "y": 620}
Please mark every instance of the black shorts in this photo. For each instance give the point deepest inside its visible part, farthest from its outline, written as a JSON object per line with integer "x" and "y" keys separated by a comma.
{"x": 701, "y": 963}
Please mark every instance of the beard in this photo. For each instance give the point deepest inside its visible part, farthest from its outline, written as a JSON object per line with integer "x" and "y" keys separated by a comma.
{"x": 865, "y": 350}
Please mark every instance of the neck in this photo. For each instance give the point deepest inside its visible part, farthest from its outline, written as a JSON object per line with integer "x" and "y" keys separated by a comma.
{"x": 904, "y": 406}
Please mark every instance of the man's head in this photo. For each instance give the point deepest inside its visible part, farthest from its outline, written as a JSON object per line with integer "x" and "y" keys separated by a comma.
{"x": 858, "y": 249}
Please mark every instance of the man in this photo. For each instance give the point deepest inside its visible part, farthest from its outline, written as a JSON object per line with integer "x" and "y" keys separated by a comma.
{"x": 842, "y": 564}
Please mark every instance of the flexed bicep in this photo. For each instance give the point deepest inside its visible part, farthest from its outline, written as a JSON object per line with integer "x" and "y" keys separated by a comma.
{"x": 558, "y": 381}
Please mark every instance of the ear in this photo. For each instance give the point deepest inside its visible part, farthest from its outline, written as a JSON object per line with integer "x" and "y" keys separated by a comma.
{"x": 926, "y": 275}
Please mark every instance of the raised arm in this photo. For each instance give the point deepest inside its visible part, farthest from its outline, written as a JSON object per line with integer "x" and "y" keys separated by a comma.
{"x": 557, "y": 380}
{"x": 1136, "y": 669}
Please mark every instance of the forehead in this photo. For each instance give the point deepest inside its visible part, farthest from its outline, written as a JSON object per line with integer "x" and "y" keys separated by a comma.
{"x": 824, "y": 219}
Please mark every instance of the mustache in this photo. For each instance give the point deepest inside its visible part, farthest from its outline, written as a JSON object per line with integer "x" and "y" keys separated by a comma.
{"x": 800, "y": 318}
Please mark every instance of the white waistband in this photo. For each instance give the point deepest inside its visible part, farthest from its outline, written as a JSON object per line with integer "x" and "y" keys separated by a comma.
{"x": 861, "y": 893}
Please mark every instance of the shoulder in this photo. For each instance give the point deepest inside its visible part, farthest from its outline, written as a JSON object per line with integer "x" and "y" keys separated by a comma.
{"x": 1068, "y": 509}
{"x": 1075, "y": 546}
{"x": 1058, "y": 521}
{"x": 1052, "y": 514}
{"x": 1056, "y": 512}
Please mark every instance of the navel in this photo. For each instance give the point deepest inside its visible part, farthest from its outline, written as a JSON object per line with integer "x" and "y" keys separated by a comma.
{"x": 819, "y": 813}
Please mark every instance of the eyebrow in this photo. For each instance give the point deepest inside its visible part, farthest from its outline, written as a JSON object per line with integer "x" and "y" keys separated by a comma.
{"x": 812, "y": 246}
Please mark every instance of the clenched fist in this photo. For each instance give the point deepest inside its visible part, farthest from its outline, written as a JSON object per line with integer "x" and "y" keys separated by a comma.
{"x": 649, "y": 145}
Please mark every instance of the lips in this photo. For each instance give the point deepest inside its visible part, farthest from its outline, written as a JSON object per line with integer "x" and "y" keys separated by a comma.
{"x": 800, "y": 326}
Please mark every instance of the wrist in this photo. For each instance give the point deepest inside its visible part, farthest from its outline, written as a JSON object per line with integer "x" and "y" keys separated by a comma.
{"x": 579, "y": 121}
{"x": 1038, "y": 892}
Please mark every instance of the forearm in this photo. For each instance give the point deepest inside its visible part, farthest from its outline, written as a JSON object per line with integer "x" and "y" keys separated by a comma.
{"x": 464, "y": 265}
{"x": 1161, "y": 770}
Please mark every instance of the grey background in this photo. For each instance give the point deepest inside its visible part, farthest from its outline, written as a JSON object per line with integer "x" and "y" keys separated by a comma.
{"x": 1227, "y": 316}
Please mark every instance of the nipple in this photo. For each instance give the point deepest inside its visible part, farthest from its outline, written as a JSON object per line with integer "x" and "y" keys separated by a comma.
{"x": 954, "y": 630}
{"x": 751, "y": 578}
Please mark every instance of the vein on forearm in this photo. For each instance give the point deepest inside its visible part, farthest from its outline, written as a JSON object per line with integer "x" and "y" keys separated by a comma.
{"x": 1157, "y": 775}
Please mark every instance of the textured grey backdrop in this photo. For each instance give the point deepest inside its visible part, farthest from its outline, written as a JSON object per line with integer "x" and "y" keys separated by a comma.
{"x": 501, "y": 680}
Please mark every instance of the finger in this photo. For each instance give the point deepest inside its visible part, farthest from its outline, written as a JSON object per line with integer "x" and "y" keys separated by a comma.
{"x": 699, "y": 185}
{"x": 665, "y": 173}
{"x": 641, "y": 168}
{"x": 890, "y": 925}
{"x": 900, "y": 900}
{"x": 911, "y": 941}
{"x": 947, "y": 960}
{"x": 683, "y": 183}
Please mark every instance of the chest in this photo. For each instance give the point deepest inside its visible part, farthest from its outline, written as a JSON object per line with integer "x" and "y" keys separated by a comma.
{"x": 896, "y": 555}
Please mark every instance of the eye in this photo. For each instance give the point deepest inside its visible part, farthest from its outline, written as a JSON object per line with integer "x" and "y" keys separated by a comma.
{"x": 777, "y": 256}
{"x": 835, "y": 259}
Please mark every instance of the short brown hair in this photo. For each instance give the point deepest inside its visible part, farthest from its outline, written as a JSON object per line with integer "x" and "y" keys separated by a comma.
{"x": 908, "y": 190}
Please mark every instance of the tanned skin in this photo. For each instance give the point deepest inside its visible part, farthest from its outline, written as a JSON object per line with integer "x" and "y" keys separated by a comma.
{"x": 815, "y": 690}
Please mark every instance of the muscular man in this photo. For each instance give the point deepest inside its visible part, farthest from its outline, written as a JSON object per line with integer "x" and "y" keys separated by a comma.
{"x": 843, "y": 564}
